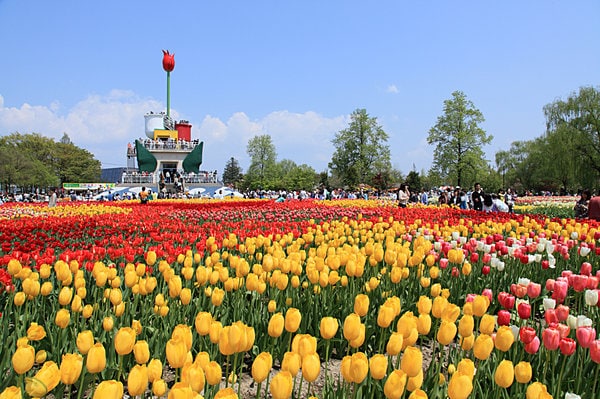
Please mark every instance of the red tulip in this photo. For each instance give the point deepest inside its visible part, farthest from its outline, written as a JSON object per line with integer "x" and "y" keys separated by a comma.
{"x": 524, "y": 310}
{"x": 579, "y": 282}
{"x": 545, "y": 264}
{"x": 551, "y": 338}
{"x": 485, "y": 270}
{"x": 551, "y": 316}
{"x": 567, "y": 346}
{"x": 503, "y": 317}
{"x": 527, "y": 334}
{"x": 168, "y": 61}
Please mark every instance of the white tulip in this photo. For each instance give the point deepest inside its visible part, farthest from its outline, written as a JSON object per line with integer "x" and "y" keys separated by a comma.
{"x": 570, "y": 395}
{"x": 523, "y": 281}
{"x": 549, "y": 303}
{"x": 584, "y": 321}
{"x": 572, "y": 321}
{"x": 591, "y": 297}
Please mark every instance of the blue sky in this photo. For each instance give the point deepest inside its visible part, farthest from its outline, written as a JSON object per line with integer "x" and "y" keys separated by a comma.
{"x": 294, "y": 70}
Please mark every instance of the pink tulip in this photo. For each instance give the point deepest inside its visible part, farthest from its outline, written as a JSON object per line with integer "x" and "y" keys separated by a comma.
{"x": 592, "y": 283}
{"x": 563, "y": 330}
{"x": 585, "y": 336}
{"x": 586, "y": 269}
{"x": 443, "y": 263}
{"x": 550, "y": 284}
{"x": 551, "y": 316}
{"x": 551, "y": 338}
{"x": 560, "y": 290}
{"x": 470, "y": 297}
{"x": 533, "y": 346}
{"x": 488, "y": 292}
{"x": 567, "y": 346}
{"x": 595, "y": 351}
{"x": 487, "y": 258}
{"x": 534, "y": 290}
{"x": 579, "y": 282}
{"x": 562, "y": 312}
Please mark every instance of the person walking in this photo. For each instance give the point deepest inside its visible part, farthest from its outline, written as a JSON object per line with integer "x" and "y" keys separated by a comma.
{"x": 52, "y": 199}
{"x": 477, "y": 197}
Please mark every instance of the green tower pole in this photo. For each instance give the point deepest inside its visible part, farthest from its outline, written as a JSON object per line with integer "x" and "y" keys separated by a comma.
{"x": 168, "y": 93}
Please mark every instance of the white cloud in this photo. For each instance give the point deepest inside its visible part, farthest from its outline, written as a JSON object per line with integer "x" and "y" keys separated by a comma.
{"x": 104, "y": 124}
{"x": 392, "y": 89}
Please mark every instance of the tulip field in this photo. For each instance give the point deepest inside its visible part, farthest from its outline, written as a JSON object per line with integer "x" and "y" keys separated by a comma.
{"x": 187, "y": 299}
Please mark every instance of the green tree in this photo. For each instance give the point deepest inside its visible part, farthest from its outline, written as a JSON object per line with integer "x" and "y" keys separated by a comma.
{"x": 263, "y": 160}
{"x": 414, "y": 181}
{"x": 361, "y": 151}
{"x": 232, "y": 174}
{"x": 458, "y": 140}
{"x": 32, "y": 160}
{"x": 573, "y": 126}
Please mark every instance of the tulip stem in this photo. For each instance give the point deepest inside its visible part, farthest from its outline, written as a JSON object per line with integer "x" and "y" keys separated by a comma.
{"x": 81, "y": 382}
{"x": 560, "y": 375}
{"x": 258, "y": 389}
{"x": 595, "y": 378}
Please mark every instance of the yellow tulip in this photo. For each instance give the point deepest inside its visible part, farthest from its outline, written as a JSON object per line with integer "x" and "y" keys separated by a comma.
{"x": 394, "y": 344}
{"x": 202, "y": 323}
{"x": 262, "y": 366}
{"x": 328, "y": 327}
{"x": 11, "y": 392}
{"x": 124, "y": 340}
{"x": 361, "y": 305}
{"x": 418, "y": 394}
{"x": 65, "y": 295}
{"x": 536, "y": 390}
{"x": 155, "y": 370}
{"x": 14, "y": 267}
{"x": 480, "y": 305}
{"x": 115, "y": 296}
{"x": 46, "y": 288}
{"x": 110, "y": 389}
{"x": 466, "y": 367}
{"x": 181, "y": 390}
{"x": 35, "y": 332}
{"x": 85, "y": 340}
{"x": 226, "y": 393}
{"x": 446, "y": 332}
{"x": 466, "y": 325}
{"x": 70, "y": 368}
{"x": 358, "y": 368}
{"x": 395, "y": 384}
{"x": 159, "y": 387}
{"x": 360, "y": 339}
{"x": 19, "y": 298}
{"x": 96, "y": 358}
{"x": 212, "y": 373}
{"x": 193, "y": 374}
{"x": 276, "y": 325}
{"x": 378, "y": 366}
{"x": 141, "y": 352}
{"x": 523, "y": 372}
{"x": 504, "y": 338}
{"x": 412, "y": 361}
{"x": 293, "y": 317}
{"x": 504, "y": 374}
{"x": 414, "y": 383}
{"x": 385, "y": 316}
{"x": 62, "y": 319}
{"x": 176, "y": 352}
{"x": 487, "y": 324}
{"x": 215, "y": 331}
{"x": 281, "y": 385}
{"x": 272, "y": 306}
{"x": 87, "y": 311}
{"x": 108, "y": 323}
{"x": 424, "y": 305}
{"x": 311, "y": 367}
{"x": 424, "y": 324}
{"x": 150, "y": 258}
{"x": 44, "y": 381}
{"x": 351, "y": 326}
{"x": 483, "y": 346}
{"x": 40, "y": 356}
{"x": 185, "y": 333}
{"x": 23, "y": 359}
{"x": 466, "y": 343}
{"x": 291, "y": 362}
{"x": 460, "y": 386}
{"x": 304, "y": 344}
{"x": 185, "y": 296}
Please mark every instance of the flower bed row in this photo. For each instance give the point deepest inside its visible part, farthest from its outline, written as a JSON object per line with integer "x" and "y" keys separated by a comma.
{"x": 100, "y": 301}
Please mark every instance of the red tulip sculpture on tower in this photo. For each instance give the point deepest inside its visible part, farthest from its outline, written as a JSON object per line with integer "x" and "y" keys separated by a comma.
{"x": 168, "y": 65}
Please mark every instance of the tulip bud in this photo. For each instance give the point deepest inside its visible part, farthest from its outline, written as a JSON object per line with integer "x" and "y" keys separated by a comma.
{"x": 85, "y": 340}
{"x": 395, "y": 384}
{"x": 281, "y": 385}
{"x": 124, "y": 340}
{"x": 23, "y": 359}
{"x": 262, "y": 366}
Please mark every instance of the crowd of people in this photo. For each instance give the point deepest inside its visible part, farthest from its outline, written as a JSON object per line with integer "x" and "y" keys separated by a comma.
{"x": 588, "y": 206}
